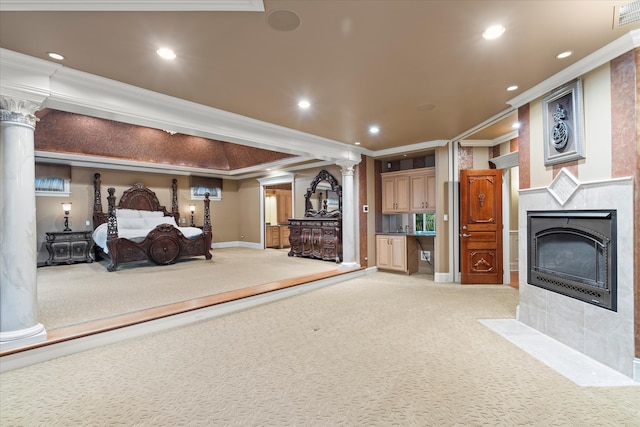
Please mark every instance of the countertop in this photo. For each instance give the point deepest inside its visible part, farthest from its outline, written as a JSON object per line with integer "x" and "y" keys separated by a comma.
{"x": 411, "y": 234}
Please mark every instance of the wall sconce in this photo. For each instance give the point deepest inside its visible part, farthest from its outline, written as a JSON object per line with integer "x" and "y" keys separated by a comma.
{"x": 66, "y": 207}
{"x": 192, "y": 208}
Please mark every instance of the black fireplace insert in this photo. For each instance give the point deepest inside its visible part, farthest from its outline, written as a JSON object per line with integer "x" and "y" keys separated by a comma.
{"x": 573, "y": 253}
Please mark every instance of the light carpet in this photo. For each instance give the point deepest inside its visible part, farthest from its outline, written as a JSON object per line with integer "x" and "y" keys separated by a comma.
{"x": 379, "y": 350}
{"x": 70, "y": 294}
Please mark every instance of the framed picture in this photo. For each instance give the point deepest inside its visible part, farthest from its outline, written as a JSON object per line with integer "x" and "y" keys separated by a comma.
{"x": 562, "y": 120}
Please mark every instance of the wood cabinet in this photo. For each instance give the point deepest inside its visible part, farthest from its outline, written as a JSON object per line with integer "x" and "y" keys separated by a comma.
{"x": 397, "y": 253}
{"x": 395, "y": 193}
{"x": 319, "y": 238}
{"x": 423, "y": 191}
{"x": 68, "y": 247}
{"x": 410, "y": 191}
{"x": 276, "y": 236}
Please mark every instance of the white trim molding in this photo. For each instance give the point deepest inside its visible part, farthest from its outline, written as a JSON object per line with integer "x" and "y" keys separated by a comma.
{"x": 134, "y": 6}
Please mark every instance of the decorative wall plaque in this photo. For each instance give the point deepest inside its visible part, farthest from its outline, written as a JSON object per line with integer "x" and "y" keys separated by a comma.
{"x": 563, "y": 124}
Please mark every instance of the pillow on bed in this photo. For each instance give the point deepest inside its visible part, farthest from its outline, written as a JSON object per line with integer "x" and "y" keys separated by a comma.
{"x": 131, "y": 223}
{"x": 152, "y": 214}
{"x": 154, "y": 222}
{"x": 127, "y": 213}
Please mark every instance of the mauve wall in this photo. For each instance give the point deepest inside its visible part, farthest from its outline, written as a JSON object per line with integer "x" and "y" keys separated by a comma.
{"x": 63, "y": 132}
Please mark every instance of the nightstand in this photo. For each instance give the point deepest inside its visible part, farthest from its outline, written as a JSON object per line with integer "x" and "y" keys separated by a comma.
{"x": 69, "y": 247}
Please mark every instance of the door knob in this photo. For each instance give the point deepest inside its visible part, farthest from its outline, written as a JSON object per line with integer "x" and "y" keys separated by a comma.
{"x": 466, "y": 235}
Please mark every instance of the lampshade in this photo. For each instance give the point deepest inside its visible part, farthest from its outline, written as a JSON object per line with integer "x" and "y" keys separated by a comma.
{"x": 66, "y": 206}
{"x": 192, "y": 208}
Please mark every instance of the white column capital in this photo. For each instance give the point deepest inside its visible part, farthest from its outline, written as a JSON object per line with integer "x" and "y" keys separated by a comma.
{"x": 347, "y": 166}
{"x": 18, "y": 111}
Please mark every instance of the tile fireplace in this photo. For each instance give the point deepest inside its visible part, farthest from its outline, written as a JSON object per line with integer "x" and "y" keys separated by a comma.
{"x": 583, "y": 244}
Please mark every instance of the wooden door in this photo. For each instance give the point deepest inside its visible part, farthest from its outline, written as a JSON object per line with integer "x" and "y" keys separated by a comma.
{"x": 481, "y": 226}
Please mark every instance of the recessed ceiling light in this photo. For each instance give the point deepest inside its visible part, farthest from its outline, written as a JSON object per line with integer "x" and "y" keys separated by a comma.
{"x": 166, "y": 53}
{"x": 374, "y": 130}
{"x": 564, "y": 54}
{"x": 304, "y": 104}
{"x": 516, "y": 125}
{"x": 493, "y": 32}
{"x": 512, "y": 88}
{"x": 357, "y": 143}
{"x": 55, "y": 56}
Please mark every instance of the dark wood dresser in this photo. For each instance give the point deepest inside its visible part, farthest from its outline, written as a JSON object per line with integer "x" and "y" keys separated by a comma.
{"x": 319, "y": 238}
{"x": 68, "y": 247}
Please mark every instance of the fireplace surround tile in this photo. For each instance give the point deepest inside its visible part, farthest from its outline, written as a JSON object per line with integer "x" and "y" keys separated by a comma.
{"x": 601, "y": 334}
{"x": 565, "y": 320}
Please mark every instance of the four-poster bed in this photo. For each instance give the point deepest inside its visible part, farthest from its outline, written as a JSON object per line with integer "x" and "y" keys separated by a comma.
{"x": 140, "y": 229}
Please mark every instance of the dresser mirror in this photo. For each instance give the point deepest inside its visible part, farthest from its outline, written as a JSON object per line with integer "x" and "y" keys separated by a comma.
{"x": 324, "y": 197}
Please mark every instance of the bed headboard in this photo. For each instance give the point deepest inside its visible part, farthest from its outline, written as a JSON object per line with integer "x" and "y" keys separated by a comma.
{"x": 137, "y": 197}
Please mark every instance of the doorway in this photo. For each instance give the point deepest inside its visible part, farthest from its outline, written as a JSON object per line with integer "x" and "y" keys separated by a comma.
{"x": 277, "y": 211}
{"x": 276, "y": 207}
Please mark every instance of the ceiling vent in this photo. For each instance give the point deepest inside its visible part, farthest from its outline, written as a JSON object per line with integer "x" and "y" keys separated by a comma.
{"x": 626, "y": 14}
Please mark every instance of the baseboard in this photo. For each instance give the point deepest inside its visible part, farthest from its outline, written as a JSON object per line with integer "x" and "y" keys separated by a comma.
{"x": 443, "y": 277}
{"x": 236, "y": 244}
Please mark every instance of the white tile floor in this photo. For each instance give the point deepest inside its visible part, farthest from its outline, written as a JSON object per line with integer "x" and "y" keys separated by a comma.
{"x": 574, "y": 365}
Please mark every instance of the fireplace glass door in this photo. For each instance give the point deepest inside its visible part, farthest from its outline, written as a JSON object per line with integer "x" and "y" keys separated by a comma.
{"x": 573, "y": 253}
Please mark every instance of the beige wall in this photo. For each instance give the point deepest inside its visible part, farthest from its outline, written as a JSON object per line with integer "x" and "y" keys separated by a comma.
{"x": 234, "y": 218}
{"x": 247, "y": 212}
{"x": 441, "y": 243}
{"x": 596, "y": 166}
{"x": 50, "y": 217}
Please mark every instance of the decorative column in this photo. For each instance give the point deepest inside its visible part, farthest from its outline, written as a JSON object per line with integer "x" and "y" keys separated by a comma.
{"x": 18, "y": 256}
{"x": 349, "y": 210}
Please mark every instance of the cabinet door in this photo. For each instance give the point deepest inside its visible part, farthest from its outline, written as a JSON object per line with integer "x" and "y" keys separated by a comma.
{"x": 316, "y": 238}
{"x": 431, "y": 193}
{"x": 395, "y": 194}
{"x": 61, "y": 251}
{"x": 398, "y": 254}
{"x": 402, "y": 194}
{"x": 388, "y": 195}
{"x": 307, "y": 244}
{"x": 284, "y": 236}
{"x": 391, "y": 252}
{"x": 418, "y": 192}
{"x": 383, "y": 251}
{"x": 423, "y": 189}
{"x": 79, "y": 250}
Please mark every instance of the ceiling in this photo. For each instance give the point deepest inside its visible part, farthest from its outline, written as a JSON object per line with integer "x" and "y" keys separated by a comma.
{"x": 420, "y": 70}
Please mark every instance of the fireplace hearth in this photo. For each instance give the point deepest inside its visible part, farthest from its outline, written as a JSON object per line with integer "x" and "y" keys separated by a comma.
{"x": 573, "y": 253}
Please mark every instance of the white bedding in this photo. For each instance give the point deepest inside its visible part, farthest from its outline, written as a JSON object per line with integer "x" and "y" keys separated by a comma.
{"x": 137, "y": 234}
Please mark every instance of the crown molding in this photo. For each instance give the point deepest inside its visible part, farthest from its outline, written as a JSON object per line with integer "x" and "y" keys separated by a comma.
{"x": 134, "y": 6}
{"x": 405, "y": 149}
{"x": 489, "y": 142}
{"x": 624, "y": 44}
{"x": 78, "y": 92}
